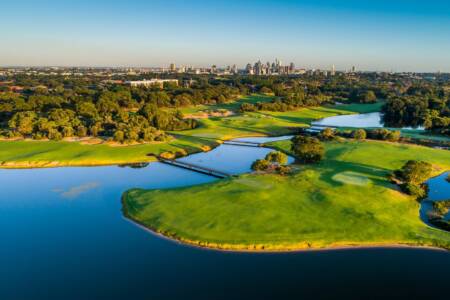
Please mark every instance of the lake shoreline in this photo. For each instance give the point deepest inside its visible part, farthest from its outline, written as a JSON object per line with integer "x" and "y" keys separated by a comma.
{"x": 151, "y": 157}
{"x": 256, "y": 249}
{"x": 131, "y": 207}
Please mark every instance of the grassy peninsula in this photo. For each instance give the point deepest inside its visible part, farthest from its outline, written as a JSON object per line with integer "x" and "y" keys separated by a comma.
{"x": 345, "y": 200}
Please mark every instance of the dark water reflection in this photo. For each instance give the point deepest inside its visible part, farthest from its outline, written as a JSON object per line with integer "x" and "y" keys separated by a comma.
{"x": 63, "y": 236}
{"x": 438, "y": 190}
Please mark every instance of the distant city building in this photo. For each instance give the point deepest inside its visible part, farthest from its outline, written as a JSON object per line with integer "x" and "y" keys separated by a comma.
{"x": 234, "y": 69}
{"x": 249, "y": 69}
{"x": 172, "y": 67}
{"x": 258, "y": 68}
{"x": 276, "y": 68}
{"x": 291, "y": 67}
{"x": 151, "y": 82}
{"x": 333, "y": 70}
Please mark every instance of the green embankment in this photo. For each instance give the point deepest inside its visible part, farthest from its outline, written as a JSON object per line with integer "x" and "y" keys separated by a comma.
{"x": 28, "y": 154}
{"x": 343, "y": 201}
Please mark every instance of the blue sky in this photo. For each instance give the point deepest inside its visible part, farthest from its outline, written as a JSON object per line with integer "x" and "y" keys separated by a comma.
{"x": 372, "y": 35}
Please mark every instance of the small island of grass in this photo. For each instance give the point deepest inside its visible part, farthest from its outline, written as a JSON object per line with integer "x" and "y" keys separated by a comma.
{"x": 345, "y": 200}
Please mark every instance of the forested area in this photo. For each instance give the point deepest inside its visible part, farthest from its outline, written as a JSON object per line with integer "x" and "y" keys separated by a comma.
{"x": 58, "y": 108}
{"x": 427, "y": 106}
{"x": 314, "y": 91}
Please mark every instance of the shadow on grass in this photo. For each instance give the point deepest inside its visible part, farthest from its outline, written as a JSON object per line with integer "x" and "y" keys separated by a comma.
{"x": 376, "y": 175}
{"x": 291, "y": 119}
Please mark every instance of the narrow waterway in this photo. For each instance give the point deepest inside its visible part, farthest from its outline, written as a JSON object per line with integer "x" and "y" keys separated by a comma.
{"x": 63, "y": 236}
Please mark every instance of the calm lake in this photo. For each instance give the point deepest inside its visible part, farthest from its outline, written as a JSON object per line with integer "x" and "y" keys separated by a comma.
{"x": 63, "y": 236}
{"x": 368, "y": 120}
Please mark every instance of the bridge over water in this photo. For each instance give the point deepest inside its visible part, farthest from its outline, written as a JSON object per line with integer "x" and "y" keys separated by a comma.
{"x": 196, "y": 168}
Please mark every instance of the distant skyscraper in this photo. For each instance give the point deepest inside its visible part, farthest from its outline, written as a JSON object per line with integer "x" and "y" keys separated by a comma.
{"x": 258, "y": 68}
{"x": 172, "y": 67}
{"x": 291, "y": 67}
{"x": 273, "y": 68}
{"x": 234, "y": 69}
{"x": 277, "y": 62}
{"x": 249, "y": 69}
{"x": 353, "y": 69}
{"x": 333, "y": 70}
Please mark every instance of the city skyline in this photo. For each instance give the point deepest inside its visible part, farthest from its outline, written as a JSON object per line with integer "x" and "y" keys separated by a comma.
{"x": 383, "y": 36}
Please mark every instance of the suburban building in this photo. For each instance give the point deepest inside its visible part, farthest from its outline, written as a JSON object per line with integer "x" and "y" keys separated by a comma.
{"x": 151, "y": 82}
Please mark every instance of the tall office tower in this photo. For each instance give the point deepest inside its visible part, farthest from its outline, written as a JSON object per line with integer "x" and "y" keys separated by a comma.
{"x": 172, "y": 67}
{"x": 333, "y": 70}
{"x": 277, "y": 63}
{"x": 249, "y": 69}
{"x": 234, "y": 69}
{"x": 274, "y": 68}
{"x": 258, "y": 68}
{"x": 353, "y": 69}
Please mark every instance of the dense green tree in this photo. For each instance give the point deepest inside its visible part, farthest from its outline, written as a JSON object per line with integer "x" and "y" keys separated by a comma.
{"x": 277, "y": 157}
{"x": 327, "y": 134}
{"x": 359, "y": 134}
{"x": 411, "y": 177}
{"x": 260, "y": 165}
{"x": 307, "y": 149}
{"x": 119, "y": 136}
{"x": 23, "y": 122}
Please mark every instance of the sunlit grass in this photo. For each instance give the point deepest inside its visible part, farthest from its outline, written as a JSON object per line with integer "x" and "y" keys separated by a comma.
{"x": 344, "y": 200}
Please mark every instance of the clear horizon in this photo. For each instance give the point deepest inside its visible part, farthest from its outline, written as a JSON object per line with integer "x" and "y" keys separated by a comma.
{"x": 403, "y": 36}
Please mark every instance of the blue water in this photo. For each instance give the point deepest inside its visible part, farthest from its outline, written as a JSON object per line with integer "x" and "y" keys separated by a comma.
{"x": 63, "y": 236}
{"x": 438, "y": 190}
{"x": 368, "y": 120}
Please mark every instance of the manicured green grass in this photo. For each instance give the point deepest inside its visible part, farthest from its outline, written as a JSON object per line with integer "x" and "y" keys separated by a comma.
{"x": 232, "y": 106}
{"x": 344, "y": 200}
{"x": 360, "y": 108}
{"x": 306, "y": 115}
{"x": 23, "y": 154}
{"x": 270, "y": 123}
{"x": 249, "y": 124}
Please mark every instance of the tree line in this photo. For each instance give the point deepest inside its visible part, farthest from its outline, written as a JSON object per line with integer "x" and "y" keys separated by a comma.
{"x": 420, "y": 105}
{"x": 122, "y": 113}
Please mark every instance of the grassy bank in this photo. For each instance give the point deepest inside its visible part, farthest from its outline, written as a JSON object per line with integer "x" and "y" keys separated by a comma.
{"x": 34, "y": 154}
{"x": 345, "y": 200}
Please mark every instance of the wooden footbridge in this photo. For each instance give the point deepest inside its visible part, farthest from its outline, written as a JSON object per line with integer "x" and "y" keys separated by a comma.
{"x": 195, "y": 168}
